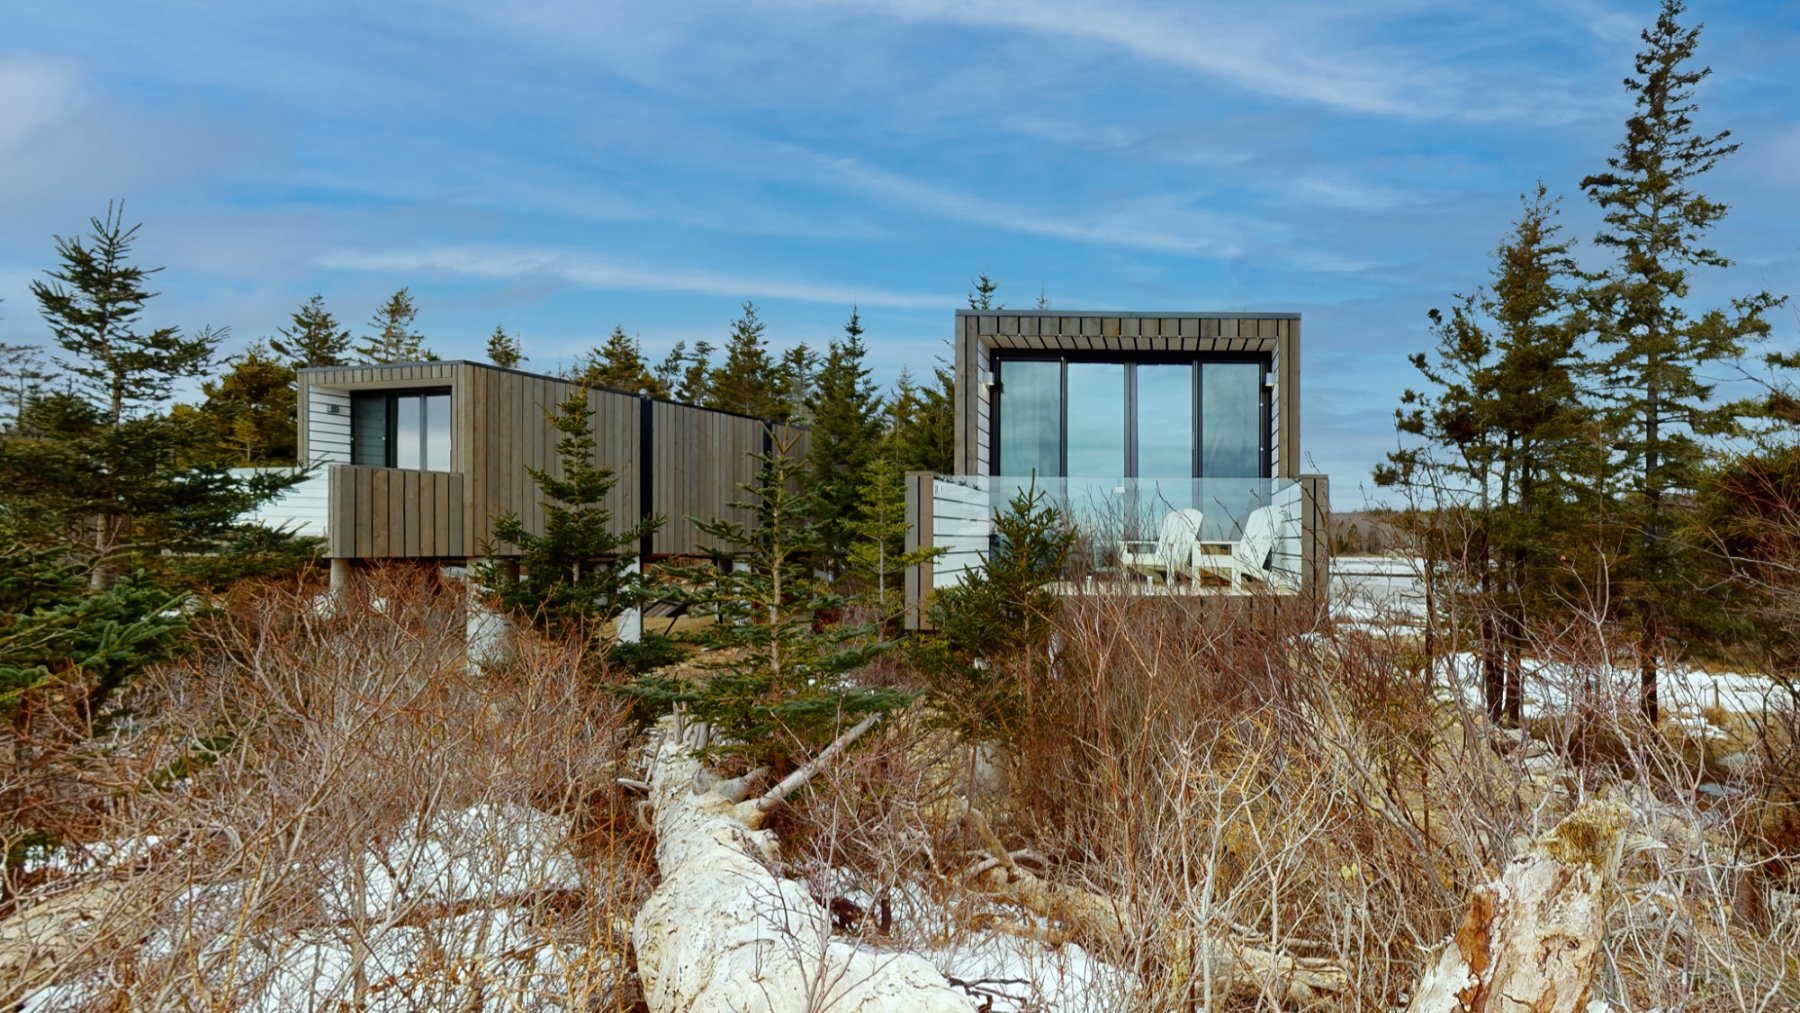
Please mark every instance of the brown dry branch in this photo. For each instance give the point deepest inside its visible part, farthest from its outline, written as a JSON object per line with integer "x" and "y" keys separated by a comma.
{"x": 316, "y": 809}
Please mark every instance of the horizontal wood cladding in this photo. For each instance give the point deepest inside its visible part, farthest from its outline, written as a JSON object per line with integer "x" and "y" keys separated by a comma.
{"x": 392, "y": 513}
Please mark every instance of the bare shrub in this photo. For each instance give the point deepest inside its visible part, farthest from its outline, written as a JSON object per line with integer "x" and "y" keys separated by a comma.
{"x": 316, "y": 809}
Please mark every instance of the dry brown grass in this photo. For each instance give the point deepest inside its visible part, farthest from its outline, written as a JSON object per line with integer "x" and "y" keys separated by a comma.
{"x": 341, "y": 789}
{"x": 1231, "y": 772}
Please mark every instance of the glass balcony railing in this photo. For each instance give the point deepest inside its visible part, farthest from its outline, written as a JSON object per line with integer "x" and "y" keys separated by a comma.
{"x": 1134, "y": 508}
{"x": 1124, "y": 524}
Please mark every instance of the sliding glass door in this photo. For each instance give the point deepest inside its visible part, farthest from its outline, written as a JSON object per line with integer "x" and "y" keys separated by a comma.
{"x": 1128, "y": 442}
{"x": 1098, "y": 419}
{"x": 401, "y": 429}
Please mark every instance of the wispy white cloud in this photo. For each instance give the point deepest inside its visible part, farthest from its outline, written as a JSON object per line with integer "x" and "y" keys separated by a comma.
{"x": 589, "y": 272}
{"x": 34, "y": 92}
{"x": 1163, "y": 224}
{"x": 1303, "y": 54}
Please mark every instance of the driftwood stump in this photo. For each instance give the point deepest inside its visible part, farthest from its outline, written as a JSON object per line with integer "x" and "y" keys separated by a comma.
{"x": 1530, "y": 940}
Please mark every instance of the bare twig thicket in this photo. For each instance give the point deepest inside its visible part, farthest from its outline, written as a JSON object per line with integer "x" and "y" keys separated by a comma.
{"x": 315, "y": 810}
{"x": 1214, "y": 786}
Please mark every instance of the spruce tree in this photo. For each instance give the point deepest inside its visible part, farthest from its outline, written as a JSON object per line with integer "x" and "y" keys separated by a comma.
{"x": 982, "y": 296}
{"x": 787, "y": 686}
{"x": 795, "y": 376}
{"x": 313, "y": 337}
{"x": 571, "y": 578}
{"x": 922, "y": 423}
{"x": 747, "y": 381}
{"x": 846, "y": 426}
{"x": 667, "y": 373}
{"x": 97, "y": 471}
{"x": 93, "y": 303}
{"x": 394, "y": 338}
{"x": 1508, "y": 448}
{"x": 619, "y": 365}
{"x": 691, "y": 373}
{"x": 503, "y": 349}
{"x": 993, "y": 627}
{"x": 1652, "y": 379}
{"x": 878, "y": 559}
{"x": 248, "y": 415}
{"x": 22, "y": 377}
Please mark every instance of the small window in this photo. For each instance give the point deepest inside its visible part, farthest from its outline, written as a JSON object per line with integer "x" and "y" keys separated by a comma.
{"x": 401, "y": 429}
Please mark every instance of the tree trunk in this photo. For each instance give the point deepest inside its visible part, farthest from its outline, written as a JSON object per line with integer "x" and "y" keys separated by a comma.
{"x": 724, "y": 931}
{"x": 1530, "y": 941}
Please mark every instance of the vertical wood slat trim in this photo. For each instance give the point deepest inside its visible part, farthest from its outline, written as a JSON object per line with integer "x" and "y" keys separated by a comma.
{"x": 364, "y": 517}
{"x": 476, "y": 388}
{"x": 412, "y": 514}
{"x": 919, "y": 533}
{"x": 1315, "y": 564}
{"x": 377, "y": 517}
{"x": 391, "y": 513}
{"x": 396, "y": 512}
{"x": 1288, "y": 380}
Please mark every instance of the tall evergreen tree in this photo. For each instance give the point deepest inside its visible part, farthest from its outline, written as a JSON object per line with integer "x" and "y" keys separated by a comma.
{"x": 878, "y": 558}
{"x": 795, "y": 376}
{"x": 845, "y": 414}
{"x": 1512, "y": 487}
{"x": 572, "y": 578}
{"x": 22, "y": 377}
{"x": 503, "y": 349}
{"x": 394, "y": 338}
{"x": 1661, "y": 408}
{"x": 785, "y": 687}
{"x": 667, "y": 373}
{"x": 922, "y": 423}
{"x": 619, "y": 365}
{"x": 747, "y": 381}
{"x": 696, "y": 370}
{"x": 96, "y": 472}
{"x": 313, "y": 337}
{"x": 248, "y": 415}
{"x": 93, "y": 302}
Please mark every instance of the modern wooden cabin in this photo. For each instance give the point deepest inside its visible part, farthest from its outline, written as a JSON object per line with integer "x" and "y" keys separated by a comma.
{"x": 1122, "y": 418}
{"x": 417, "y": 460}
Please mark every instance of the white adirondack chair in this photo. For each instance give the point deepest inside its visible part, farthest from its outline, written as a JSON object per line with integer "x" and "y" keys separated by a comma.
{"x": 1251, "y": 554}
{"x": 1174, "y": 551}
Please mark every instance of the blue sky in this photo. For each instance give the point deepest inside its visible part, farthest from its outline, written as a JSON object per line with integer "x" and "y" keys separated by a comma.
{"x": 562, "y": 165}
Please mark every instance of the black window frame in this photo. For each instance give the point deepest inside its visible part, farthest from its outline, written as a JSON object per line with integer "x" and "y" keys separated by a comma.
{"x": 390, "y": 420}
{"x": 998, "y": 360}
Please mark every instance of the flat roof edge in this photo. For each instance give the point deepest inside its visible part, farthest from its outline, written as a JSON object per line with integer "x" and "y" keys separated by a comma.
{"x": 545, "y": 376}
{"x": 1139, "y": 314}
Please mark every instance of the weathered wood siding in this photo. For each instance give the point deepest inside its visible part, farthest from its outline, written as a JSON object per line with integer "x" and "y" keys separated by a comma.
{"x": 701, "y": 459}
{"x": 979, "y": 334}
{"x": 1315, "y": 503}
{"x": 501, "y": 427}
{"x": 394, "y": 513}
{"x": 507, "y": 428}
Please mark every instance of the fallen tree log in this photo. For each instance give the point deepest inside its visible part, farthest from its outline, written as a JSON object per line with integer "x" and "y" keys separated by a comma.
{"x": 723, "y": 931}
{"x": 1530, "y": 940}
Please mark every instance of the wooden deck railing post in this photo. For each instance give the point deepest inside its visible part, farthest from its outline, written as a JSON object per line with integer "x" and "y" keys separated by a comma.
{"x": 919, "y": 534}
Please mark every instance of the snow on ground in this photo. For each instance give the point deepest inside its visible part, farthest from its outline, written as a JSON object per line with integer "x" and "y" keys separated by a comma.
{"x": 436, "y": 918}
{"x": 1385, "y": 594}
{"x": 1553, "y": 688}
{"x": 1018, "y": 975}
